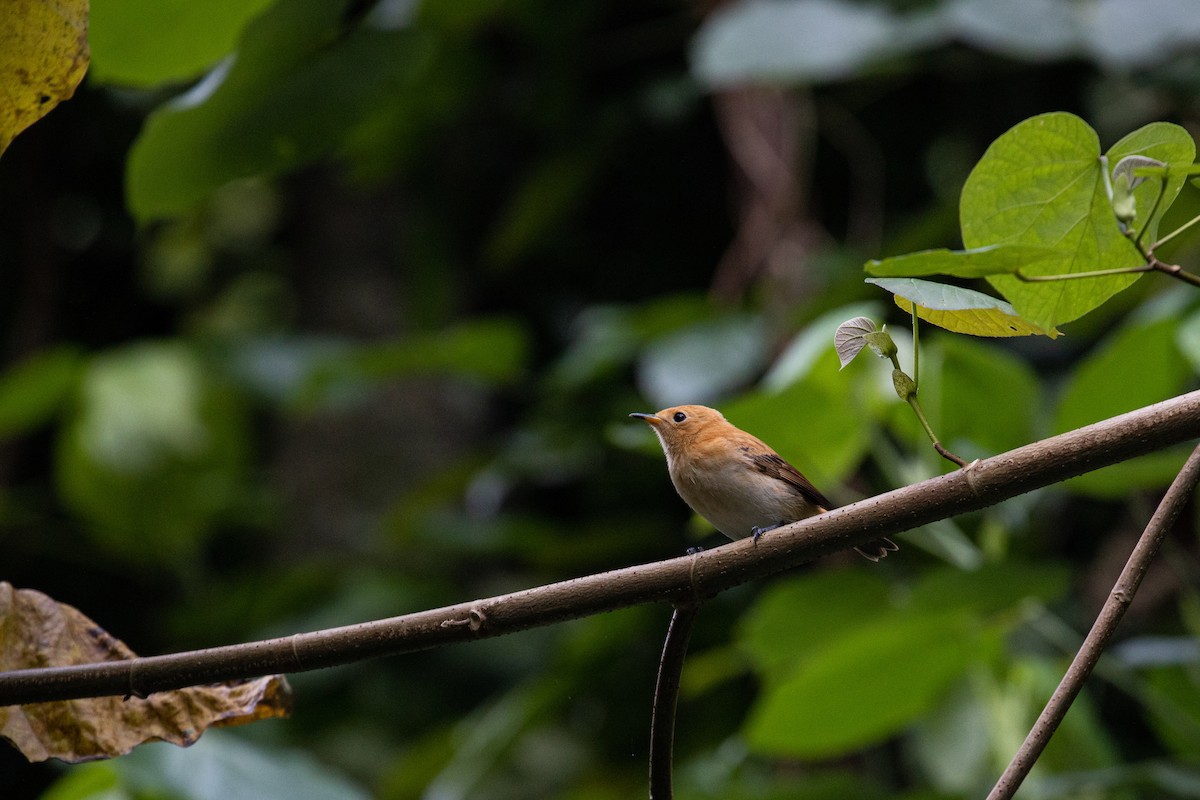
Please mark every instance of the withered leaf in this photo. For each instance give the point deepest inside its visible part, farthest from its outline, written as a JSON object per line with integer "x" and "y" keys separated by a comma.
{"x": 36, "y": 631}
{"x": 43, "y": 56}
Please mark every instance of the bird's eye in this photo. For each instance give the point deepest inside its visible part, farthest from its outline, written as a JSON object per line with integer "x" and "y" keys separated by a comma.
{"x": 680, "y": 416}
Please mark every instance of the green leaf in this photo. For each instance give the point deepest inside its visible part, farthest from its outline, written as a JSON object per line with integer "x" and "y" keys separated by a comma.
{"x": 33, "y": 391}
{"x": 1175, "y": 712}
{"x": 778, "y": 636}
{"x": 990, "y": 589}
{"x": 800, "y": 42}
{"x": 959, "y": 310}
{"x": 143, "y": 44}
{"x": 987, "y": 395}
{"x": 703, "y": 362}
{"x": 298, "y": 85}
{"x": 1041, "y": 183}
{"x": 95, "y": 781}
{"x": 827, "y": 673}
{"x": 976, "y": 263}
{"x": 154, "y": 452}
{"x": 222, "y": 765}
{"x": 1159, "y": 141}
{"x": 865, "y": 686}
{"x": 492, "y": 351}
{"x": 608, "y": 337}
{"x": 1137, "y": 366}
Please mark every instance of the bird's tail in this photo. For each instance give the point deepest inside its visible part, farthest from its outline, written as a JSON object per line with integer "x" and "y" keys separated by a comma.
{"x": 877, "y": 548}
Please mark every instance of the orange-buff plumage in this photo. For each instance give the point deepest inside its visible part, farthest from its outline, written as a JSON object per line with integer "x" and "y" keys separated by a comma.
{"x": 734, "y": 480}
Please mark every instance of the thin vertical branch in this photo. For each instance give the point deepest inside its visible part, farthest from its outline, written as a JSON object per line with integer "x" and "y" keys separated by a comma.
{"x": 666, "y": 696}
{"x": 1106, "y": 622}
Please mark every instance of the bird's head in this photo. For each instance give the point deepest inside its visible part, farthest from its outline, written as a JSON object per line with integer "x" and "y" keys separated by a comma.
{"x": 679, "y": 427}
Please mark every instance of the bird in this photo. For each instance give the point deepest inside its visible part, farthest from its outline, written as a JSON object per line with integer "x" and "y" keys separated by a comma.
{"x": 735, "y": 480}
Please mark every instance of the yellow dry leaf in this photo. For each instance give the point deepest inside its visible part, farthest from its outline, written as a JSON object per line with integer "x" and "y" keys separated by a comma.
{"x": 43, "y": 56}
{"x": 36, "y": 631}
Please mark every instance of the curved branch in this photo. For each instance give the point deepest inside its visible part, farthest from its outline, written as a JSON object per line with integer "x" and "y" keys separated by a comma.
{"x": 1102, "y": 630}
{"x": 666, "y": 696}
{"x": 681, "y": 579}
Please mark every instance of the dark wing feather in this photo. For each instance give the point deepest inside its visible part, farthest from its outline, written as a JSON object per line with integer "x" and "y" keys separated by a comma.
{"x": 773, "y": 465}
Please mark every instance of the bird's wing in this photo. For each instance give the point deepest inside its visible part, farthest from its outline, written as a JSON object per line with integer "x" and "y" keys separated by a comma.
{"x": 774, "y": 466}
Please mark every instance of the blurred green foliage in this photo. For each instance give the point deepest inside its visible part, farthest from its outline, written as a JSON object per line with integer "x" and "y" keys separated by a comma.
{"x": 317, "y": 312}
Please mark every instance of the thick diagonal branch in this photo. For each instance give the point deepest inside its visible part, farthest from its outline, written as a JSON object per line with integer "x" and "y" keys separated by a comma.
{"x": 1102, "y": 630}
{"x": 984, "y": 483}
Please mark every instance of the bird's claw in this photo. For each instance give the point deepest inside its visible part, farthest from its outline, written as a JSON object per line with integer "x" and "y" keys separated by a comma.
{"x": 757, "y": 531}
{"x": 691, "y": 551}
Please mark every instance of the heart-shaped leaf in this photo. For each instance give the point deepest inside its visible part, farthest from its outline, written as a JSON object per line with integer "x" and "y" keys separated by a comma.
{"x": 1042, "y": 184}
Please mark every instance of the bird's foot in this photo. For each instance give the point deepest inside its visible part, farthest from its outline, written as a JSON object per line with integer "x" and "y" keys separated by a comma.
{"x": 691, "y": 551}
{"x": 756, "y": 532}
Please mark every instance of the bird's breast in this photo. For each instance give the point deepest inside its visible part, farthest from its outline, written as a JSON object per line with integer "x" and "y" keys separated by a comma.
{"x": 735, "y": 497}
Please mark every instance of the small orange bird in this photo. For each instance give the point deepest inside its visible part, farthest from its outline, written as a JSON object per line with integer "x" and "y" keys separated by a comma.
{"x": 734, "y": 480}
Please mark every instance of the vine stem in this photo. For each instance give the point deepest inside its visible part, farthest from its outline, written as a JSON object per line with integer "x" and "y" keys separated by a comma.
{"x": 666, "y": 698}
{"x": 1102, "y": 630}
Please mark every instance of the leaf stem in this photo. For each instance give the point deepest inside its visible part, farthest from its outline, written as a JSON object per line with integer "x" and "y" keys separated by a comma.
{"x": 937, "y": 445}
{"x": 1070, "y": 276}
{"x": 1162, "y": 190}
{"x": 1108, "y": 187}
{"x": 1152, "y": 265}
{"x": 1175, "y": 233}
{"x": 916, "y": 350}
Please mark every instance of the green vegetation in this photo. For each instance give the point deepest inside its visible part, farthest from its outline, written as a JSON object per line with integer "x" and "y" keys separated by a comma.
{"x": 318, "y": 312}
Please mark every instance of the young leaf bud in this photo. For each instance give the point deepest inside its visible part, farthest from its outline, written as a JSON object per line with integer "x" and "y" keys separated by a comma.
{"x": 905, "y": 387}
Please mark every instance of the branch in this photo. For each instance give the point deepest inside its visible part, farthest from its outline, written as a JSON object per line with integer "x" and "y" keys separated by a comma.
{"x": 1106, "y": 622}
{"x": 682, "y": 579}
{"x": 666, "y": 696}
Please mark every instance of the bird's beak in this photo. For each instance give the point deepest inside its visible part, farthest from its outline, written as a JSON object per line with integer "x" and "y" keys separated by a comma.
{"x": 650, "y": 418}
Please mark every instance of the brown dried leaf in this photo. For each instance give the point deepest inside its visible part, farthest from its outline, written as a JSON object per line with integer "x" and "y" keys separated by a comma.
{"x": 36, "y": 631}
{"x": 43, "y": 56}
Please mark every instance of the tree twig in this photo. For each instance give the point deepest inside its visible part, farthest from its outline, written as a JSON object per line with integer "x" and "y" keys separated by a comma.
{"x": 984, "y": 483}
{"x": 1175, "y": 271}
{"x": 666, "y": 697}
{"x": 1102, "y": 630}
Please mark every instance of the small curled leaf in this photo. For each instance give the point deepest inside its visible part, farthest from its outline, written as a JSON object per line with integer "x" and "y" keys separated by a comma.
{"x": 1128, "y": 167}
{"x": 850, "y": 338}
